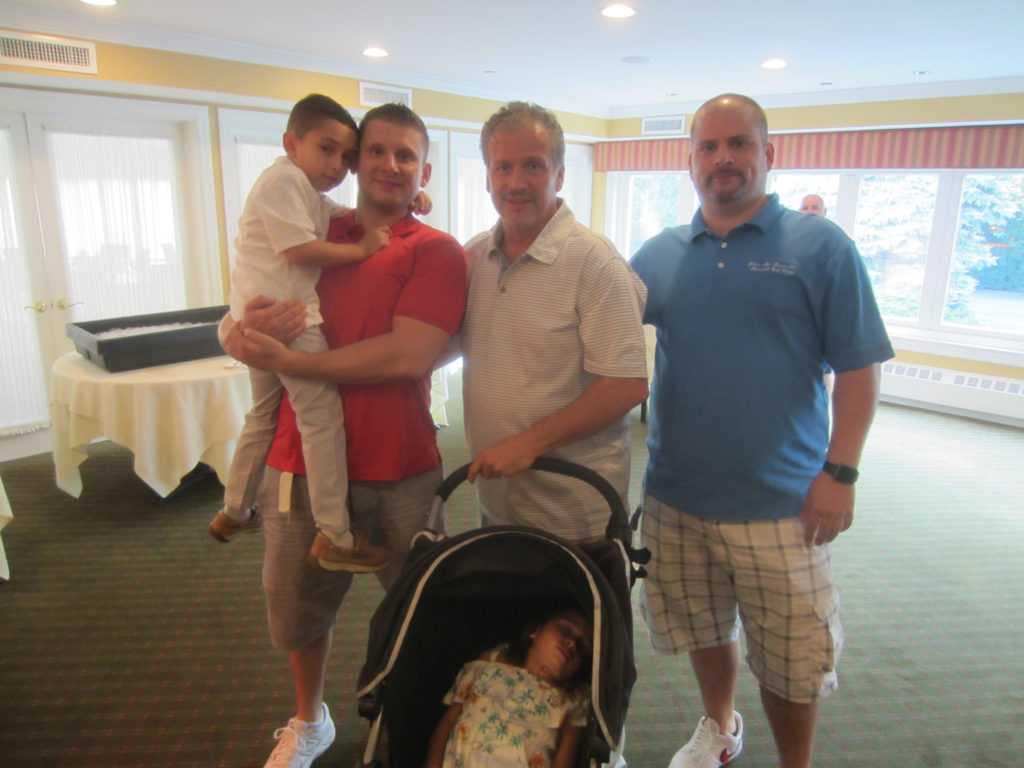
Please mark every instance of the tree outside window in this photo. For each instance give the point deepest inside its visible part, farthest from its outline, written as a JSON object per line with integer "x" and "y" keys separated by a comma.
{"x": 893, "y": 226}
{"x": 986, "y": 279}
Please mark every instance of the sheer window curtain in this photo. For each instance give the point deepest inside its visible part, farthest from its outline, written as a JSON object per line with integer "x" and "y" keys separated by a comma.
{"x": 474, "y": 211}
{"x": 117, "y": 206}
{"x": 254, "y": 153}
{"x": 23, "y": 407}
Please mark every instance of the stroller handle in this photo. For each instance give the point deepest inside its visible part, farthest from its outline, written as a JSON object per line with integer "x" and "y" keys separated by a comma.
{"x": 618, "y": 524}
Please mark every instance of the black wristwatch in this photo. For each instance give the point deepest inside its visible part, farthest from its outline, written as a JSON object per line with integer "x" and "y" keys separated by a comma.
{"x": 843, "y": 473}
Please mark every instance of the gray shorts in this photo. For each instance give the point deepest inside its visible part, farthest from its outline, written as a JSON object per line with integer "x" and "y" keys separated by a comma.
{"x": 303, "y": 600}
{"x": 707, "y": 578}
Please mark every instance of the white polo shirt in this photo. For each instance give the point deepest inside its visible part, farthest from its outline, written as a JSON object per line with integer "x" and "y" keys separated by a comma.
{"x": 283, "y": 210}
{"x": 537, "y": 334}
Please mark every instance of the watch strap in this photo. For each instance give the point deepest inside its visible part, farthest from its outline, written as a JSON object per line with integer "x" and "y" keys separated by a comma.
{"x": 843, "y": 473}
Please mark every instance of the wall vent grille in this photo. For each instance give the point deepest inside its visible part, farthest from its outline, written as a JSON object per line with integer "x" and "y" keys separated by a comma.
{"x": 375, "y": 94}
{"x": 47, "y": 52}
{"x": 663, "y": 125}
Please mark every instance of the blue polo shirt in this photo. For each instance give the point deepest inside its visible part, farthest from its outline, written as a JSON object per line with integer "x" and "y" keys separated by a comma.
{"x": 746, "y": 325}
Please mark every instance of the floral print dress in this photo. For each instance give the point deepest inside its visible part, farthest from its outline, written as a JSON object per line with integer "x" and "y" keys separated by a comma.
{"x": 510, "y": 717}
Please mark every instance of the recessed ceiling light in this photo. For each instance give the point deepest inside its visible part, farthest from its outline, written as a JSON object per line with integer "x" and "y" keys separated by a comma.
{"x": 618, "y": 11}
{"x": 637, "y": 59}
{"x": 100, "y": 2}
{"x": 774, "y": 63}
{"x": 375, "y": 53}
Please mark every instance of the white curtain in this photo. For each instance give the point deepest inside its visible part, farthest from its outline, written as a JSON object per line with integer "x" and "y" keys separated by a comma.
{"x": 474, "y": 211}
{"x": 252, "y": 155}
{"x": 23, "y": 406}
{"x": 116, "y": 197}
{"x": 255, "y": 153}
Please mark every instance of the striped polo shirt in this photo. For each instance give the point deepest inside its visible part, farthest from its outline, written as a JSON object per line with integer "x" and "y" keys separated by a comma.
{"x": 536, "y": 335}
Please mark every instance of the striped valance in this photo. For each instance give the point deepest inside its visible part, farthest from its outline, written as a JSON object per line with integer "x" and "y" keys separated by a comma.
{"x": 986, "y": 146}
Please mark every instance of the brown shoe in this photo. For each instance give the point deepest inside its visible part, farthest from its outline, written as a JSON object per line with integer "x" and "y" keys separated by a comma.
{"x": 224, "y": 528}
{"x": 360, "y": 558}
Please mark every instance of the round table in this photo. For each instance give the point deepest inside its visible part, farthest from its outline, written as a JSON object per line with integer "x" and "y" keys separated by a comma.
{"x": 171, "y": 417}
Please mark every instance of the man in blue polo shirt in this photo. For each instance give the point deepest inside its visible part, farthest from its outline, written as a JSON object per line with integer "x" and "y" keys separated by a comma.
{"x": 746, "y": 485}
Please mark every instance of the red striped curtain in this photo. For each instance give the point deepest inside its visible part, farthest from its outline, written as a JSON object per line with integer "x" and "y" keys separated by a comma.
{"x": 988, "y": 146}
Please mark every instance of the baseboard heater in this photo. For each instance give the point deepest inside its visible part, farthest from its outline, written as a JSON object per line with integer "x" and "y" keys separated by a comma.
{"x": 978, "y": 396}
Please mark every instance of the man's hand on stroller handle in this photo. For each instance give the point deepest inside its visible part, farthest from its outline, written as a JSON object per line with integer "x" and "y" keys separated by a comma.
{"x": 509, "y": 457}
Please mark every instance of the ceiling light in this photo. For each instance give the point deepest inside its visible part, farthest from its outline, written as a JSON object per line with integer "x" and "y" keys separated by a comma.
{"x": 375, "y": 53}
{"x": 100, "y": 2}
{"x": 637, "y": 59}
{"x": 618, "y": 11}
{"x": 921, "y": 72}
{"x": 774, "y": 63}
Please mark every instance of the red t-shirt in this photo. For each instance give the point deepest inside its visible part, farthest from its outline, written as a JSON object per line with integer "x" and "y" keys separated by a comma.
{"x": 421, "y": 275}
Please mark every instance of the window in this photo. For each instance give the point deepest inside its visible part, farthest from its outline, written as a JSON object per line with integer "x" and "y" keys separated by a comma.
{"x": 892, "y": 229}
{"x": 944, "y": 248}
{"x": 639, "y": 205}
{"x": 116, "y": 198}
{"x": 792, "y": 188}
{"x": 986, "y": 277}
{"x": 437, "y": 187}
{"x": 579, "y": 181}
{"x": 250, "y": 142}
{"x": 473, "y": 212}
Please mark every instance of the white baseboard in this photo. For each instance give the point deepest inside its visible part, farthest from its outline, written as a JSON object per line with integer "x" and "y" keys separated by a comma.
{"x": 19, "y": 446}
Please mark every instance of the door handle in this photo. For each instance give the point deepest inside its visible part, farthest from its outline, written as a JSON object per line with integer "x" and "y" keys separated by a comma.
{"x": 39, "y": 306}
{"x": 65, "y": 304}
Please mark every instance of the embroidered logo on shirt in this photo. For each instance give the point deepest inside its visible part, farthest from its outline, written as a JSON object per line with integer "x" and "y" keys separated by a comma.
{"x": 778, "y": 267}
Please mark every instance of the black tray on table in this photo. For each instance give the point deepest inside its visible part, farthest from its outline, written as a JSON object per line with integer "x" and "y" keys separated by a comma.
{"x": 141, "y": 350}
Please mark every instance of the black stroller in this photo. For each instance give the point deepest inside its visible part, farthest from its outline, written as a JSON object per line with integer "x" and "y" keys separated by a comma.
{"x": 459, "y": 596}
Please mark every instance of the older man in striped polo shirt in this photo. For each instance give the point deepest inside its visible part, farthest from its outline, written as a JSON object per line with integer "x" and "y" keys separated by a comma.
{"x": 552, "y": 340}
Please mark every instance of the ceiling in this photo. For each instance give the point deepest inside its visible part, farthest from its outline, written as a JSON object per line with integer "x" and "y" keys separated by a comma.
{"x": 564, "y": 55}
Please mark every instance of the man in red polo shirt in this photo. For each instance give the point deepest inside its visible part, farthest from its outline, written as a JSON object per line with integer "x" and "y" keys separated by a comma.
{"x": 394, "y": 312}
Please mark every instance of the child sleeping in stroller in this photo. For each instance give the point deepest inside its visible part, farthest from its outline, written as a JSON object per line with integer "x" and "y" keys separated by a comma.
{"x": 521, "y": 704}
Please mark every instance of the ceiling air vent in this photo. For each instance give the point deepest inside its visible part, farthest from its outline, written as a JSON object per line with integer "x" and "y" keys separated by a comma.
{"x": 654, "y": 126}
{"x": 47, "y": 52}
{"x": 375, "y": 94}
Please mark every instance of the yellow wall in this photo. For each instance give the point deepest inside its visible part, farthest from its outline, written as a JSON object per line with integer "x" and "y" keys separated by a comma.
{"x": 956, "y": 364}
{"x": 146, "y": 66}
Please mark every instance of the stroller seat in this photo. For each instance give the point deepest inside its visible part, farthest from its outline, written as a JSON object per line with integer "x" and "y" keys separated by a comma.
{"x": 460, "y": 596}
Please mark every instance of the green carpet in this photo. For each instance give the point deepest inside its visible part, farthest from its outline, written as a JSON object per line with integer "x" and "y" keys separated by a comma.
{"x": 128, "y": 637}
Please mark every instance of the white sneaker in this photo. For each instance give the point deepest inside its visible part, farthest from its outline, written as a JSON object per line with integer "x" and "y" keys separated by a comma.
{"x": 300, "y": 743}
{"x": 709, "y": 747}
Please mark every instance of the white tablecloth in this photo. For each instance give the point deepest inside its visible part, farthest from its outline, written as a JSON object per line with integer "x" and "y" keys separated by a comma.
{"x": 5, "y": 517}
{"x": 439, "y": 392}
{"x": 171, "y": 417}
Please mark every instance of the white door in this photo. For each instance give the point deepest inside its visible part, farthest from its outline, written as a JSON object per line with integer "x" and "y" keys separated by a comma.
{"x": 105, "y": 213}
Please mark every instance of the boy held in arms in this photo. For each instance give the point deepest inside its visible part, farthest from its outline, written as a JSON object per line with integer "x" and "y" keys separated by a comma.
{"x": 280, "y": 249}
